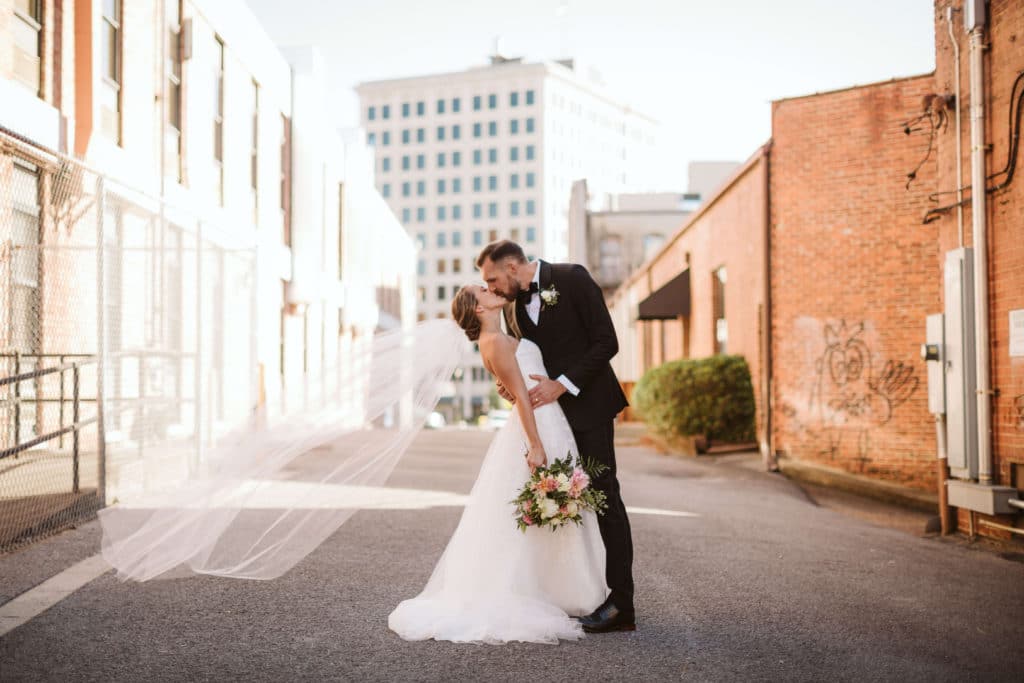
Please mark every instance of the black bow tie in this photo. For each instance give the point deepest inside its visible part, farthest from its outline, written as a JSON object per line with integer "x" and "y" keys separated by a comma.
{"x": 525, "y": 295}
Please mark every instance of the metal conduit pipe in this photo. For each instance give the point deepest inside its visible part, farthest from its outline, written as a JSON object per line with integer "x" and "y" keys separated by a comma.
{"x": 980, "y": 241}
{"x": 956, "y": 102}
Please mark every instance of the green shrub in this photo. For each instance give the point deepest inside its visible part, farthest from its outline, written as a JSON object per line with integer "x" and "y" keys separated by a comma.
{"x": 711, "y": 397}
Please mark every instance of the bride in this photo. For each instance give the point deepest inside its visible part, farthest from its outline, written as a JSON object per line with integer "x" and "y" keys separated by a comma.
{"x": 494, "y": 583}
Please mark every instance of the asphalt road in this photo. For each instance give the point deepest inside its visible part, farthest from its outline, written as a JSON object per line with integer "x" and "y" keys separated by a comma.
{"x": 760, "y": 584}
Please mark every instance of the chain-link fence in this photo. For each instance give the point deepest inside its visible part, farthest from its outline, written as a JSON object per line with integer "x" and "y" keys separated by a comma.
{"x": 127, "y": 341}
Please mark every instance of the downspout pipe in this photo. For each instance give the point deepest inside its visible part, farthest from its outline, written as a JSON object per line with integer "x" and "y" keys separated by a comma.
{"x": 767, "y": 449}
{"x": 980, "y": 241}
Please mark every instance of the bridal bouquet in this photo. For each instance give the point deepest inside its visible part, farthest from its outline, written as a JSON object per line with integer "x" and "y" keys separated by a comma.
{"x": 558, "y": 494}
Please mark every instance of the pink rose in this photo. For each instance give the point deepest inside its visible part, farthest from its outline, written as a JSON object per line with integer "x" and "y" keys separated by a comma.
{"x": 527, "y": 520}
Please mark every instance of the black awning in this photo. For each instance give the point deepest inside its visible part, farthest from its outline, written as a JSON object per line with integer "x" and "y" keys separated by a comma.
{"x": 669, "y": 302}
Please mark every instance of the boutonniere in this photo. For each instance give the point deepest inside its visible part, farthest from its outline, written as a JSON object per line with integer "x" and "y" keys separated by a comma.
{"x": 548, "y": 297}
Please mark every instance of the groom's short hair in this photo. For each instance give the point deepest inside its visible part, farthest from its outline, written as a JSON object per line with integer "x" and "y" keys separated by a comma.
{"x": 499, "y": 251}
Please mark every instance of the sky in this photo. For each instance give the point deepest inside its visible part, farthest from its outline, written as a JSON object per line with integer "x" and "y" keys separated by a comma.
{"x": 707, "y": 71}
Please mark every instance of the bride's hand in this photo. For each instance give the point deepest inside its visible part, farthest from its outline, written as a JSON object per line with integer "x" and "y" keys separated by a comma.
{"x": 536, "y": 457}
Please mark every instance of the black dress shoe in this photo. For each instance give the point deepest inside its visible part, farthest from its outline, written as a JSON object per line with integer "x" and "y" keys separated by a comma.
{"x": 607, "y": 618}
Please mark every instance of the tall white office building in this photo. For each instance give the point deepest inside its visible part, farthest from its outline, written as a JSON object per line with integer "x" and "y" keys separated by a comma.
{"x": 491, "y": 153}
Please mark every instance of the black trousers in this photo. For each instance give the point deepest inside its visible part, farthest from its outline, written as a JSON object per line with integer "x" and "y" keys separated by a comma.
{"x": 598, "y": 444}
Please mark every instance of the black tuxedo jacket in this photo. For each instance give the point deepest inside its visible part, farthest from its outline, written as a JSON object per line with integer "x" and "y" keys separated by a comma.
{"x": 577, "y": 339}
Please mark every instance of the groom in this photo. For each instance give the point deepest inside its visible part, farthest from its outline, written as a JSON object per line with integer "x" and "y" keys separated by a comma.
{"x": 560, "y": 308}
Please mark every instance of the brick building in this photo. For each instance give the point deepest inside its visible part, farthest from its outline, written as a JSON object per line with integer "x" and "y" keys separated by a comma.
{"x": 863, "y": 205}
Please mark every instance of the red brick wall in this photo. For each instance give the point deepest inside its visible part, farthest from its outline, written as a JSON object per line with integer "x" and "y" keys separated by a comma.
{"x": 1005, "y": 209}
{"x": 727, "y": 231}
{"x": 854, "y": 275}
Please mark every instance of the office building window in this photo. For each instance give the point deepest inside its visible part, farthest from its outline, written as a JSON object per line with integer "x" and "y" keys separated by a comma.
{"x": 456, "y": 263}
{"x": 406, "y": 136}
{"x": 442, "y": 240}
{"x": 492, "y": 128}
{"x": 513, "y": 234}
{"x": 218, "y": 121}
{"x": 513, "y": 99}
{"x": 492, "y": 210}
{"x": 440, "y": 133}
{"x": 478, "y": 183}
{"x": 371, "y": 113}
{"x": 456, "y": 132}
{"x": 406, "y": 215}
{"x": 476, "y": 102}
{"x": 421, "y": 161}
{"x": 513, "y": 127}
{"x": 513, "y": 208}
{"x": 492, "y": 235}
{"x": 385, "y": 164}
{"x": 529, "y": 97}
{"x": 513, "y": 181}
{"x": 441, "y": 266}
{"x": 385, "y": 112}
{"x": 476, "y": 129}
{"x": 440, "y": 106}
{"x": 478, "y": 210}
{"x": 513, "y": 154}
{"x": 27, "y": 34}
{"x": 421, "y": 267}
{"x": 421, "y": 135}
{"x": 440, "y": 292}
{"x": 721, "y": 327}
{"x": 456, "y": 185}
{"x": 371, "y": 139}
{"x": 406, "y": 189}
{"x": 173, "y": 135}
{"x": 492, "y": 155}
{"x": 456, "y": 159}
{"x": 530, "y": 152}
{"x": 456, "y": 242}
{"x": 421, "y": 214}
{"x": 530, "y": 125}
{"x": 385, "y": 190}
{"x": 478, "y": 238}
{"x": 110, "y": 115}
{"x": 531, "y": 179}
{"x": 531, "y": 234}
{"x": 440, "y": 185}
{"x": 405, "y": 162}
{"x": 492, "y": 101}
{"x": 456, "y": 216}
{"x": 421, "y": 188}
{"x": 440, "y": 159}
{"x": 421, "y": 108}
{"x": 405, "y": 110}
{"x": 478, "y": 156}
{"x": 456, "y": 105}
{"x": 442, "y": 213}
{"x": 531, "y": 207}
{"x": 492, "y": 182}
{"x": 386, "y": 138}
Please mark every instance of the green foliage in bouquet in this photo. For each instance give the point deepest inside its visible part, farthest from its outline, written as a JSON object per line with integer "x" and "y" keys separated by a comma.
{"x": 711, "y": 396}
{"x": 558, "y": 494}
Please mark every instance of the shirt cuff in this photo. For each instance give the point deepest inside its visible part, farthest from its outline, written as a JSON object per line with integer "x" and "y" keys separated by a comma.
{"x": 572, "y": 388}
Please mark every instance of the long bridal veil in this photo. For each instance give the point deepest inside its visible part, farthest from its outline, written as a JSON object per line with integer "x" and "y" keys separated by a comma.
{"x": 270, "y": 492}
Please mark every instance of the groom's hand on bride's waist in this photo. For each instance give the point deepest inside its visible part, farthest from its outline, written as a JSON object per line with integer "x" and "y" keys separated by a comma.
{"x": 546, "y": 391}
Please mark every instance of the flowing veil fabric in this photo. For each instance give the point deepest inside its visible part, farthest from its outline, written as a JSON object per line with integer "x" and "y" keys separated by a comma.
{"x": 270, "y": 492}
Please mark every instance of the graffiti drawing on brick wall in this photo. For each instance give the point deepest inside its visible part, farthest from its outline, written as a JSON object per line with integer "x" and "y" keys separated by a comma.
{"x": 852, "y": 390}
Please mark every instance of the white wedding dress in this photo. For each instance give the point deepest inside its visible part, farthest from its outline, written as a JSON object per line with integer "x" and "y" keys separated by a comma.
{"x": 494, "y": 583}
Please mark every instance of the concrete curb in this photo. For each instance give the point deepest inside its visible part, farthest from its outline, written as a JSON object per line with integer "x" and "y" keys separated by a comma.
{"x": 813, "y": 473}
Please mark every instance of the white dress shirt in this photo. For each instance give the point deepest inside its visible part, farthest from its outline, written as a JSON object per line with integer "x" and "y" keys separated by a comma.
{"x": 533, "y": 310}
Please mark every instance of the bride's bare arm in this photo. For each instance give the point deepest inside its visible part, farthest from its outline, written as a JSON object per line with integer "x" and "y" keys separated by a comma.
{"x": 498, "y": 353}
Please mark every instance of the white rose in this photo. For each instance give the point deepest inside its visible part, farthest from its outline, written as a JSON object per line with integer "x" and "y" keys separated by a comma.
{"x": 563, "y": 482}
{"x": 572, "y": 508}
{"x": 549, "y": 509}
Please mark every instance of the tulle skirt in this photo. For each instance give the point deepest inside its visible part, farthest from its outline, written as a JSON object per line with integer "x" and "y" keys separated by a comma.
{"x": 495, "y": 583}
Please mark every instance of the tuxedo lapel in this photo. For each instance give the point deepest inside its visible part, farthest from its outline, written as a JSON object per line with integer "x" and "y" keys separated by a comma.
{"x": 545, "y": 281}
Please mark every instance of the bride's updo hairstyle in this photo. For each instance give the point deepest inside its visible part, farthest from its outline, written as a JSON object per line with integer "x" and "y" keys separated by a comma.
{"x": 464, "y": 313}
